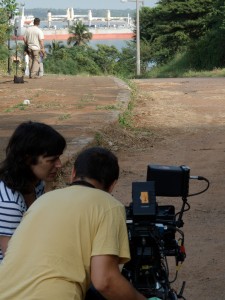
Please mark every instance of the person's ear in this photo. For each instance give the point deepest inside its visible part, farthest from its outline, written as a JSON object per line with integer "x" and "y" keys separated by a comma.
{"x": 73, "y": 175}
{"x": 112, "y": 186}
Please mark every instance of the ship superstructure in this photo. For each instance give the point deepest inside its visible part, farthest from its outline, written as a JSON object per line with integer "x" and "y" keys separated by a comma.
{"x": 107, "y": 27}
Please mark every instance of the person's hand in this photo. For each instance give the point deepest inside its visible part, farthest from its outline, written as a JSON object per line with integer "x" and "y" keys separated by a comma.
{"x": 43, "y": 52}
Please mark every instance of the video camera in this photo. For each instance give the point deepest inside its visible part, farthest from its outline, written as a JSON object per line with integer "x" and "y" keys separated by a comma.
{"x": 153, "y": 230}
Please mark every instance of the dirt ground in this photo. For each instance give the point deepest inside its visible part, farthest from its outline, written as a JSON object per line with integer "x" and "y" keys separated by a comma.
{"x": 178, "y": 122}
{"x": 187, "y": 117}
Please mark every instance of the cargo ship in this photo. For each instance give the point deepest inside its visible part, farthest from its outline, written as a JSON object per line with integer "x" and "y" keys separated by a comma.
{"x": 56, "y": 27}
{"x": 97, "y": 34}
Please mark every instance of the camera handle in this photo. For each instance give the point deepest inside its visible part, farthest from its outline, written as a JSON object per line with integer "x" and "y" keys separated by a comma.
{"x": 180, "y": 222}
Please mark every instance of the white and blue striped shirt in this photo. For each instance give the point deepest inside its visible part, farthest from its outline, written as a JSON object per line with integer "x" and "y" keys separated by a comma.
{"x": 12, "y": 208}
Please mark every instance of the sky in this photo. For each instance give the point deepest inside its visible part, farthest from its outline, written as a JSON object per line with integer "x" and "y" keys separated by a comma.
{"x": 84, "y": 4}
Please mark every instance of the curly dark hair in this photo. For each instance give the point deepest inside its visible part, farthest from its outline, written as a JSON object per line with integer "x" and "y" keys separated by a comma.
{"x": 29, "y": 140}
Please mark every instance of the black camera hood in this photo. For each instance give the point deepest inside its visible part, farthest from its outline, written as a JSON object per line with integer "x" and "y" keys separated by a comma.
{"x": 170, "y": 181}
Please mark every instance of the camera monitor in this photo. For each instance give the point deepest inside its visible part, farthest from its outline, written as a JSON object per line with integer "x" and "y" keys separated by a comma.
{"x": 170, "y": 181}
{"x": 144, "y": 200}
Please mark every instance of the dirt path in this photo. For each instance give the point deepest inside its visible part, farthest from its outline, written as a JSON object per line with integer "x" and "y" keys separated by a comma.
{"x": 188, "y": 118}
{"x": 77, "y": 106}
{"x": 179, "y": 122}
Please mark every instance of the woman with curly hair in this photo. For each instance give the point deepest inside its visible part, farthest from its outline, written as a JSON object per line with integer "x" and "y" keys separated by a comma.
{"x": 32, "y": 158}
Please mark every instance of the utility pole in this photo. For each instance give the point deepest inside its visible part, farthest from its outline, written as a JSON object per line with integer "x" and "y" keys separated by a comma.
{"x": 138, "y": 55}
{"x": 138, "y": 51}
{"x": 9, "y": 46}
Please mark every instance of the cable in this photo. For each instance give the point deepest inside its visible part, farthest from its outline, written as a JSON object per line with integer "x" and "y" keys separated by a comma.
{"x": 200, "y": 178}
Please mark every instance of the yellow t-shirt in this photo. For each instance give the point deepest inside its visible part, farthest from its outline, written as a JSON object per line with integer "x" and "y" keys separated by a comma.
{"x": 49, "y": 255}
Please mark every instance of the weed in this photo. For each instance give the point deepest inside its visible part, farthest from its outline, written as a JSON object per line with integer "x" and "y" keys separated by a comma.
{"x": 8, "y": 110}
{"x": 125, "y": 119}
{"x": 107, "y": 107}
{"x": 98, "y": 138}
{"x": 64, "y": 117}
{"x": 85, "y": 99}
{"x": 19, "y": 106}
{"x": 52, "y": 105}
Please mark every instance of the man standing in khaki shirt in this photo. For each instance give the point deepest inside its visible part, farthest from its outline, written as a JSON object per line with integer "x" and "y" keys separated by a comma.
{"x": 34, "y": 40}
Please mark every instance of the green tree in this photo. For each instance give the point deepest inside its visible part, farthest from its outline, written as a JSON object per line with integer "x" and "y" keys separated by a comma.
{"x": 54, "y": 46}
{"x": 208, "y": 52}
{"x": 106, "y": 58}
{"x": 126, "y": 65}
{"x": 3, "y": 26}
{"x": 8, "y": 9}
{"x": 172, "y": 26}
{"x": 80, "y": 34}
{"x": 73, "y": 61}
{"x": 10, "y": 6}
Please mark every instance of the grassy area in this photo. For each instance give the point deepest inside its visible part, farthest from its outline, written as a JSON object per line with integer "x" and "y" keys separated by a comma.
{"x": 4, "y": 68}
{"x": 172, "y": 72}
{"x": 125, "y": 118}
{"x": 181, "y": 66}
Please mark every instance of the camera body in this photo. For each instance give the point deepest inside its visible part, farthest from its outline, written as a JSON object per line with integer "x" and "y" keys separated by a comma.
{"x": 152, "y": 230}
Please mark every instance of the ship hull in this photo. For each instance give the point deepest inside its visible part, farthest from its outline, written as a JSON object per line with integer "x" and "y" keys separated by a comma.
{"x": 97, "y": 34}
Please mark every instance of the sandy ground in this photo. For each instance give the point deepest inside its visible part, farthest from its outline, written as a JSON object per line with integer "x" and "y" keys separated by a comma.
{"x": 188, "y": 119}
{"x": 178, "y": 122}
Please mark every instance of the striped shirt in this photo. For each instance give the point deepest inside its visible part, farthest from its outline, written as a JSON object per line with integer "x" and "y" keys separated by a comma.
{"x": 12, "y": 208}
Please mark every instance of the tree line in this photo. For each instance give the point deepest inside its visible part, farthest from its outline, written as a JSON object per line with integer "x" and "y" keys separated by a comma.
{"x": 192, "y": 29}
{"x": 78, "y": 57}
